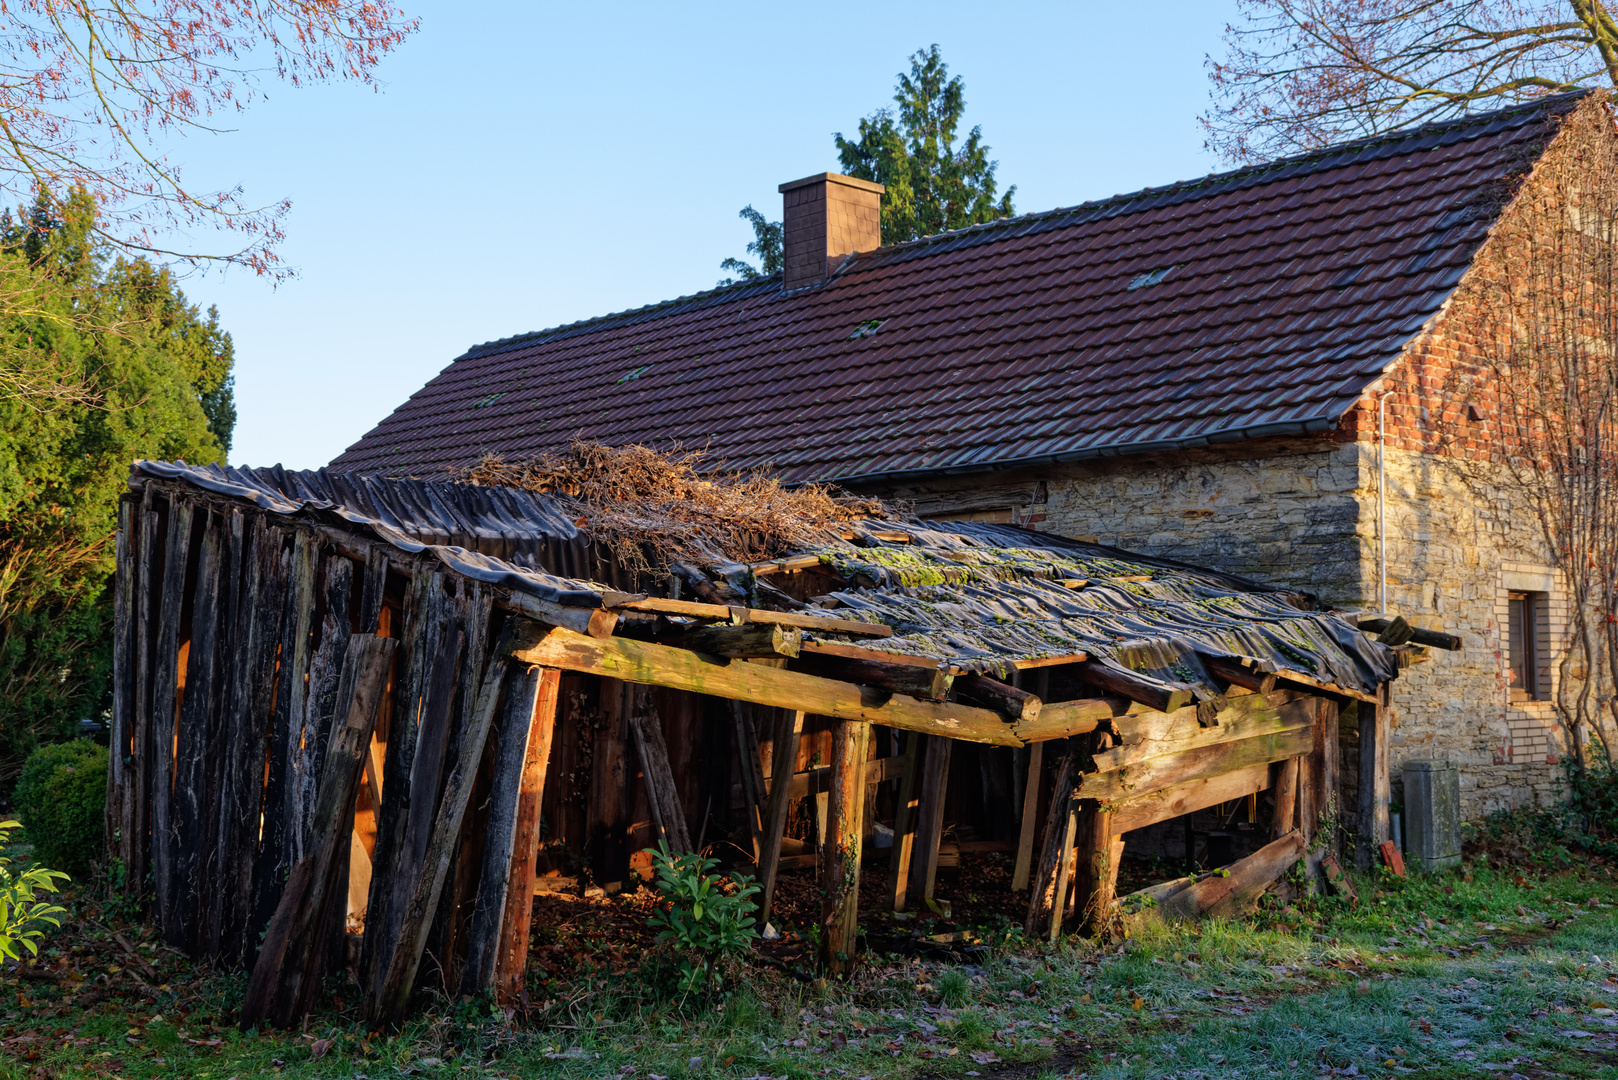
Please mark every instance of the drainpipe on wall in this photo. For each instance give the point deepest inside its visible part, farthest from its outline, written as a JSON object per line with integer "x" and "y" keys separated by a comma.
{"x": 1382, "y": 501}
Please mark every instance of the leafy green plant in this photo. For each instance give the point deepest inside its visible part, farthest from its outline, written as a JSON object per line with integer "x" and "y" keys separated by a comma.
{"x": 61, "y": 798}
{"x": 21, "y": 910}
{"x": 708, "y": 922}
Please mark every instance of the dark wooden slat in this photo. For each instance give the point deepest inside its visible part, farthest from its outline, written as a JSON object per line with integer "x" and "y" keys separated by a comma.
{"x": 275, "y": 860}
{"x": 374, "y": 590}
{"x": 119, "y": 833}
{"x": 840, "y": 868}
{"x": 320, "y": 702}
{"x": 519, "y": 908}
{"x": 250, "y": 723}
{"x": 787, "y": 733}
{"x": 148, "y": 607}
{"x": 661, "y": 792}
{"x": 930, "y": 817}
{"x": 1030, "y": 815}
{"x": 904, "y": 821}
{"x": 432, "y": 746}
{"x": 228, "y": 656}
{"x": 389, "y": 1006}
{"x": 747, "y": 754}
{"x": 164, "y": 704}
{"x": 749, "y": 639}
{"x": 286, "y": 977}
{"x": 923, "y": 683}
{"x": 191, "y": 745}
{"x": 1039, "y": 897}
{"x": 423, "y": 618}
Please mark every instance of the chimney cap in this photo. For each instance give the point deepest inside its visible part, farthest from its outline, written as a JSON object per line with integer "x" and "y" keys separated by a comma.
{"x": 832, "y": 178}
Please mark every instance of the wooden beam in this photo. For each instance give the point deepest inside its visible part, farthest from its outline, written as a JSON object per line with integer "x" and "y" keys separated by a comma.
{"x": 1116, "y": 680}
{"x": 1285, "y": 779}
{"x": 1298, "y": 678}
{"x": 1105, "y": 849}
{"x": 1155, "y": 773}
{"x": 785, "y": 754}
{"x": 1436, "y": 639}
{"x": 788, "y": 565}
{"x": 1014, "y": 704}
{"x": 922, "y": 683}
{"x": 930, "y": 817}
{"x": 593, "y": 622}
{"x": 748, "y": 639}
{"x": 1059, "y": 720}
{"x": 1154, "y": 734}
{"x": 860, "y": 652}
{"x": 904, "y": 822}
{"x": 1240, "y": 671}
{"x": 1236, "y": 890}
{"x": 840, "y": 869}
{"x": 1189, "y": 797}
{"x": 758, "y": 615}
{"x": 660, "y": 665}
{"x": 1030, "y": 814}
{"x": 1049, "y": 661}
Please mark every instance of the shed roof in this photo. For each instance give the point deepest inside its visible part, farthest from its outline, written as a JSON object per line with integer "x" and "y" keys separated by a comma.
{"x": 972, "y": 595}
{"x": 1257, "y": 302}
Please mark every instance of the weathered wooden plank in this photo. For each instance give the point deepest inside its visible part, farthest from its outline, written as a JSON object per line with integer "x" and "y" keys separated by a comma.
{"x": 251, "y": 714}
{"x": 1152, "y": 735}
{"x": 904, "y": 821}
{"x": 1285, "y": 779}
{"x": 1241, "y": 671}
{"x": 840, "y": 866}
{"x": 228, "y": 658}
{"x": 388, "y": 1007}
{"x": 300, "y": 644}
{"x": 1234, "y": 892}
{"x": 1189, "y": 797}
{"x": 512, "y": 959}
{"x": 660, "y": 665}
{"x": 286, "y": 976}
{"x": 752, "y": 772}
{"x": 165, "y": 716}
{"x": 930, "y": 818}
{"x": 1063, "y": 719}
{"x": 1030, "y": 818}
{"x": 119, "y": 834}
{"x": 1039, "y": 897}
{"x": 313, "y": 730}
{"x": 191, "y": 745}
{"x": 423, "y": 614}
{"x": 661, "y": 793}
{"x": 785, "y": 753}
{"x": 1374, "y": 793}
{"x": 1064, "y": 863}
{"x": 275, "y": 861}
{"x": 1165, "y": 770}
{"x": 373, "y": 591}
{"x": 148, "y": 608}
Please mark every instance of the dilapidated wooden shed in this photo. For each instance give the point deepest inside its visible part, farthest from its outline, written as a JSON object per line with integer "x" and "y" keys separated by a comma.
{"x": 356, "y": 718}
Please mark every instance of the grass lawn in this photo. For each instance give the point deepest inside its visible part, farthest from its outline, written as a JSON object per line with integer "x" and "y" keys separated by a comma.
{"x": 1480, "y": 972}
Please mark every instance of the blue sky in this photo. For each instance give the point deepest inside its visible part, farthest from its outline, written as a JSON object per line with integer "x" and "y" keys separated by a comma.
{"x": 527, "y": 165}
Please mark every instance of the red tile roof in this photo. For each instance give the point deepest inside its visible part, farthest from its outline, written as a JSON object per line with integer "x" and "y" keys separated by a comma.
{"x": 1250, "y": 303}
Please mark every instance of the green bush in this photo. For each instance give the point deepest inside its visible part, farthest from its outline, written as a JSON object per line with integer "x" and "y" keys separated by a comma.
{"x": 708, "y": 922}
{"x": 61, "y": 799}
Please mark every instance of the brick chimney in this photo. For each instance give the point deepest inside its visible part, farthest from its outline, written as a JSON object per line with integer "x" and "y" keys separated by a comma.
{"x": 825, "y": 218}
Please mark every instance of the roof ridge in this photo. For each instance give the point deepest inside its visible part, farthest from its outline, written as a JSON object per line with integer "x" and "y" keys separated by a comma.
{"x": 753, "y": 286}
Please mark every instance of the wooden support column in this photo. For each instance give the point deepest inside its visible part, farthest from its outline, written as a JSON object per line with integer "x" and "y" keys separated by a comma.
{"x": 1064, "y": 864}
{"x": 1039, "y": 897}
{"x": 840, "y": 861}
{"x": 787, "y": 733}
{"x": 904, "y": 821}
{"x": 1374, "y": 791}
{"x": 930, "y": 817}
{"x": 1105, "y": 851}
{"x": 662, "y": 796}
{"x": 511, "y": 833}
{"x": 1030, "y": 815}
{"x": 1284, "y": 778}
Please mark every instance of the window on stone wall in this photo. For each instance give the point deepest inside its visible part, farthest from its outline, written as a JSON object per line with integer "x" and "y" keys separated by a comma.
{"x": 1528, "y": 642}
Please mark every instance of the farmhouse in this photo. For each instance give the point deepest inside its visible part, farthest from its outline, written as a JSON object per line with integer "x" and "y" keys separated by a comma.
{"x": 357, "y": 719}
{"x": 1248, "y": 371}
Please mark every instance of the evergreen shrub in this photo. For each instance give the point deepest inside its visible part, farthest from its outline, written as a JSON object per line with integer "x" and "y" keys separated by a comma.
{"x": 61, "y": 799}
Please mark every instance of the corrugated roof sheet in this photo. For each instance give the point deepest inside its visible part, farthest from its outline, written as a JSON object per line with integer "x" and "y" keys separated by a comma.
{"x": 976, "y": 595}
{"x": 1266, "y": 301}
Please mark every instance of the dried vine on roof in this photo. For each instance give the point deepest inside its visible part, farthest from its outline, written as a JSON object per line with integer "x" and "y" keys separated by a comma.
{"x": 653, "y": 509}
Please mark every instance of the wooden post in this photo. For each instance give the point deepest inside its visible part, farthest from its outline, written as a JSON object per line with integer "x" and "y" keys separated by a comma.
{"x": 148, "y": 602}
{"x": 661, "y": 793}
{"x": 1030, "y": 815}
{"x": 1064, "y": 863}
{"x": 190, "y": 798}
{"x": 930, "y": 824}
{"x": 1055, "y": 833}
{"x": 165, "y": 695}
{"x": 840, "y": 860}
{"x": 119, "y": 835}
{"x": 742, "y": 716}
{"x": 1374, "y": 794}
{"x": 513, "y": 958}
{"x": 511, "y": 837}
{"x": 1103, "y": 850}
{"x": 904, "y": 821}
{"x": 782, "y": 763}
{"x": 1285, "y": 781}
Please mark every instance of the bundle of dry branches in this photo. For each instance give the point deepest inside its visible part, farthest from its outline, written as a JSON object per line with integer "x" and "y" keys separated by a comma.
{"x": 654, "y": 509}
